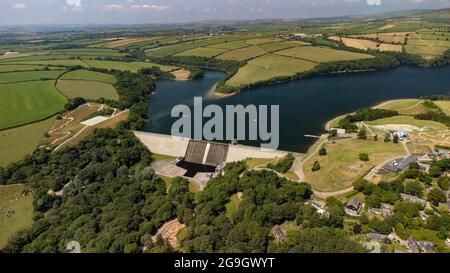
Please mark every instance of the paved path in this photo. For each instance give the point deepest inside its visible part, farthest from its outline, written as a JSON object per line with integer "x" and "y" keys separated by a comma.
{"x": 325, "y": 195}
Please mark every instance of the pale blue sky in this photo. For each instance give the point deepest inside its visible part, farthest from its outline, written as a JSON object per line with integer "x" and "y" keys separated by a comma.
{"x": 166, "y": 11}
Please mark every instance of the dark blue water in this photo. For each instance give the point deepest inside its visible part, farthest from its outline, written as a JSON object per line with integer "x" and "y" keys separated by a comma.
{"x": 305, "y": 105}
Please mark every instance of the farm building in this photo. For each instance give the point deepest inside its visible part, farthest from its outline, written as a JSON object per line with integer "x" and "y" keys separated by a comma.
{"x": 399, "y": 165}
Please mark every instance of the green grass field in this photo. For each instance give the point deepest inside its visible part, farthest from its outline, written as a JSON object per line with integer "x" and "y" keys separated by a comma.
{"x": 26, "y": 102}
{"x": 322, "y": 54}
{"x": 16, "y": 211}
{"x": 407, "y": 120}
{"x": 268, "y": 67}
{"x": 29, "y": 76}
{"x": 87, "y": 89}
{"x": 231, "y": 45}
{"x": 19, "y": 67}
{"x": 17, "y": 142}
{"x": 124, "y": 66}
{"x": 265, "y": 40}
{"x": 341, "y": 166}
{"x": 89, "y": 76}
{"x": 242, "y": 54}
{"x": 397, "y": 105}
{"x": 90, "y": 52}
{"x": 277, "y": 46}
{"x": 52, "y": 62}
{"x": 202, "y": 52}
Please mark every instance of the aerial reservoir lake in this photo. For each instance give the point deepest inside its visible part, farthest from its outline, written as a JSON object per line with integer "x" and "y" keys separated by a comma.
{"x": 307, "y": 104}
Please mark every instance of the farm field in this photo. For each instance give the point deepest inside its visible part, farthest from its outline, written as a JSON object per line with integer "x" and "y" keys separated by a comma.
{"x": 202, "y": 52}
{"x": 88, "y": 53}
{"x": 230, "y": 45}
{"x": 322, "y": 54}
{"x": 389, "y": 38}
{"x": 427, "y": 52}
{"x": 87, "y": 89}
{"x": 7, "y": 57}
{"x": 17, "y": 142}
{"x": 26, "y": 102}
{"x": 428, "y": 44}
{"x": 29, "y": 76}
{"x": 52, "y": 63}
{"x": 367, "y": 44}
{"x": 277, "y": 46}
{"x": 19, "y": 67}
{"x": 89, "y": 76}
{"x": 123, "y": 42}
{"x": 16, "y": 211}
{"x": 341, "y": 166}
{"x": 268, "y": 67}
{"x": 444, "y": 105}
{"x": 242, "y": 54}
{"x": 124, "y": 66}
{"x": 265, "y": 40}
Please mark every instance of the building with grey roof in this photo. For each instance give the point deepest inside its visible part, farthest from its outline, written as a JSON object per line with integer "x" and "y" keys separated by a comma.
{"x": 399, "y": 165}
{"x": 413, "y": 199}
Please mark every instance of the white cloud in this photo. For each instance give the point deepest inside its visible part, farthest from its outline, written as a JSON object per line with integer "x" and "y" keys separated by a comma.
{"x": 19, "y": 6}
{"x": 131, "y": 6}
{"x": 113, "y": 7}
{"x": 374, "y": 2}
{"x": 73, "y": 5}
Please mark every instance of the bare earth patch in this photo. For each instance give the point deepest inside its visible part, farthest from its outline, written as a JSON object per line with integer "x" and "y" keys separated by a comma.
{"x": 181, "y": 74}
{"x": 169, "y": 232}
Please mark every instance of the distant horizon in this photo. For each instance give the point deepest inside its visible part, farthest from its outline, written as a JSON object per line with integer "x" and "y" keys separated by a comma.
{"x": 163, "y": 12}
{"x": 217, "y": 20}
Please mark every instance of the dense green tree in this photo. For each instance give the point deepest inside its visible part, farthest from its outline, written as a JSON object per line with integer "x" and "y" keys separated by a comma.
{"x": 316, "y": 166}
{"x": 363, "y": 157}
{"x": 443, "y": 183}
{"x": 437, "y": 196}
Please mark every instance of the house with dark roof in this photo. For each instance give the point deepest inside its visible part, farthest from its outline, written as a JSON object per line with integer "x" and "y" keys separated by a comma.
{"x": 353, "y": 206}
